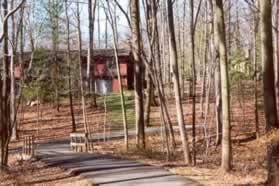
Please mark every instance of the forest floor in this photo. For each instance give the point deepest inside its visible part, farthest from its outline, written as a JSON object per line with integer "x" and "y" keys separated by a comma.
{"x": 248, "y": 161}
{"x": 36, "y": 172}
{"x": 249, "y": 157}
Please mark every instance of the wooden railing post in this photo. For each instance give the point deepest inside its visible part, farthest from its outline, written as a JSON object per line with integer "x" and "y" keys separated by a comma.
{"x": 28, "y": 146}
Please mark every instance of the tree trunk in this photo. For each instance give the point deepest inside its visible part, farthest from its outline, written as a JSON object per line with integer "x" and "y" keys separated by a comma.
{"x": 12, "y": 96}
{"x": 123, "y": 105}
{"x": 268, "y": 68}
{"x": 218, "y": 102}
{"x": 277, "y": 53}
{"x": 90, "y": 57}
{"x": 149, "y": 84}
{"x": 147, "y": 106}
{"x": 270, "y": 109}
{"x": 255, "y": 78}
{"x": 86, "y": 130}
{"x": 69, "y": 69}
{"x": 273, "y": 167}
{"x": 5, "y": 88}
{"x": 154, "y": 69}
{"x": 106, "y": 33}
{"x": 53, "y": 15}
{"x": 226, "y": 131}
{"x": 113, "y": 24}
{"x": 205, "y": 58}
{"x": 217, "y": 77}
{"x": 174, "y": 66}
{"x": 99, "y": 25}
{"x": 193, "y": 91}
{"x": 135, "y": 21}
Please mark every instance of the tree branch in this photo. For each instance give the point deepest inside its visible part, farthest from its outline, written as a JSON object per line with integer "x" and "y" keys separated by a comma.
{"x": 5, "y": 19}
{"x": 124, "y": 12}
{"x": 197, "y": 15}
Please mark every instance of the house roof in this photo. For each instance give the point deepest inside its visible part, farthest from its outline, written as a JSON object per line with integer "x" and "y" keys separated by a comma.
{"x": 108, "y": 52}
{"x": 96, "y": 52}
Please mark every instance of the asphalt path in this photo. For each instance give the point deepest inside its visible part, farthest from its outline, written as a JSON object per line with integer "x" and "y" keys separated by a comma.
{"x": 106, "y": 169}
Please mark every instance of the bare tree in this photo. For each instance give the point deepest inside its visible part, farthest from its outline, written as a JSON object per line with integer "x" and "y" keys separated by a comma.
{"x": 277, "y": 53}
{"x": 6, "y": 17}
{"x": 86, "y": 129}
{"x": 4, "y": 89}
{"x": 12, "y": 63}
{"x": 193, "y": 91}
{"x": 69, "y": 68}
{"x": 217, "y": 78}
{"x": 268, "y": 68}
{"x": 270, "y": 110}
{"x": 149, "y": 93}
{"x": 135, "y": 22}
{"x": 174, "y": 67}
{"x": 113, "y": 24}
{"x": 255, "y": 28}
{"x": 205, "y": 60}
{"x": 90, "y": 56}
{"x": 53, "y": 10}
{"x": 221, "y": 34}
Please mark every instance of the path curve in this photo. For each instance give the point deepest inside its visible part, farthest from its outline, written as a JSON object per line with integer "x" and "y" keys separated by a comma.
{"x": 107, "y": 170}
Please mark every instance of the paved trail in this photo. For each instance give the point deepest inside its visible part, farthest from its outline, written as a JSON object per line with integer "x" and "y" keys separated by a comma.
{"x": 107, "y": 170}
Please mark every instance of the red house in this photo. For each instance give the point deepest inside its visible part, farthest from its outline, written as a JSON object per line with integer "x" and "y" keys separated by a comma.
{"x": 105, "y": 71}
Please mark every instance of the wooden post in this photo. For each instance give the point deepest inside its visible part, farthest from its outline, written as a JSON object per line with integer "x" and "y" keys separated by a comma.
{"x": 28, "y": 146}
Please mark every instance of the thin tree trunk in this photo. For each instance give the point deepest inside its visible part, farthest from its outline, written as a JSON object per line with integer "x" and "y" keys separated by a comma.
{"x": 12, "y": 93}
{"x": 149, "y": 88}
{"x": 86, "y": 130}
{"x": 99, "y": 26}
{"x": 218, "y": 102}
{"x": 90, "y": 57}
{"x": 193, "y": 56}
{"x": 147, "y": 106}
{"x": 12, "y": 96}
{"x": 32, "y": 46}
{"x": 69, "y": 69}
{"x": 155, "y": 73}
{"x": 255, "y": 63}
{"x": 183, "y": 62}
{"x": 179, "y": 108}
{"x": 123, "y": 105}
{"x": 229, "y": 26}
{"x": 106, "y": 33}
{"x": 115, "y": 48}
{"x": 205, "y": 55}
{"x": 53, "y": 15}
{"x": 21, "y": 60}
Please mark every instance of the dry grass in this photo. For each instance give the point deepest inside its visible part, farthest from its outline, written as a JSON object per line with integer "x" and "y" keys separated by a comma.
{"x": 214, "y": 177}
{"x": 272, "y": 136}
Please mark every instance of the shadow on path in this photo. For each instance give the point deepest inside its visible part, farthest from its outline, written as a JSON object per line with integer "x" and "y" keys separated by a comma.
{"x": 106, "y": 169}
